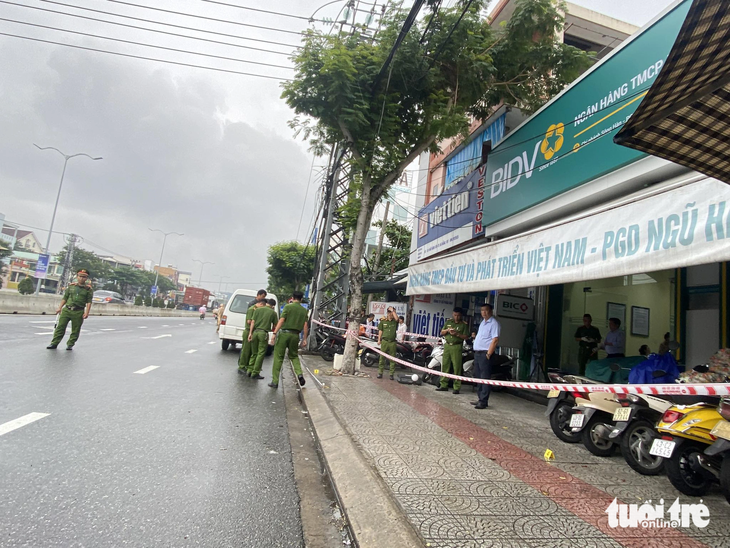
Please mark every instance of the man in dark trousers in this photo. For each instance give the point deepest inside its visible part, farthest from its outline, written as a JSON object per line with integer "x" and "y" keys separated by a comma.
{"x": 485, "y": 345}
{"x": 293, "y": 320}
{"x": 588, "y": 337}
{"x": 264, "y": 320}
{"x": 75, "y": 307}
{"x": 455, "y": 332}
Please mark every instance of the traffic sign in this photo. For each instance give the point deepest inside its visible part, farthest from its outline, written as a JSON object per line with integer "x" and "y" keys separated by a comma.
{"x": 153, "y": 290}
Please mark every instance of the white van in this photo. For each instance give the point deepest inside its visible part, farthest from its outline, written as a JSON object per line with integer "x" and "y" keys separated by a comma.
{"x": 234, "y": 316}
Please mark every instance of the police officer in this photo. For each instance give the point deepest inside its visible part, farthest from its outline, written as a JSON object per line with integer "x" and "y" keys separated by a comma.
{"x": 264, "y": 319}
{"x": 293, "y": 320}
{"x": 245, "y": 357}
{"x": 387, "y": 329}
{"x": 455, "y": 332}
{"x": 75, "y": 307}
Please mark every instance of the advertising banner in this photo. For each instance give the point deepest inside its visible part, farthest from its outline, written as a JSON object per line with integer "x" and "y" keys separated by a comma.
{"x": 430, "y": 312}
{"x": 380, "y": 309}
{"x": 519, "y": 308}
{"x": 453, "y": 218}
{"x": 41, "y": 268}
{"x": 570, "y": 141}
{"x": 686, "y": 226}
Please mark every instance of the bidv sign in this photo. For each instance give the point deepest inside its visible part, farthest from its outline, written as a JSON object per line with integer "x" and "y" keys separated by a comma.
{"x": 519, "y": 308}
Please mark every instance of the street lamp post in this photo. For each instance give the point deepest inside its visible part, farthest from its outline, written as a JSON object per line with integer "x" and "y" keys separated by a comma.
{"x": 159, "y": 265}
{"x": 221, "y": 283}
{"x": 202, "y": 264}
{"x": 66, "y": 158}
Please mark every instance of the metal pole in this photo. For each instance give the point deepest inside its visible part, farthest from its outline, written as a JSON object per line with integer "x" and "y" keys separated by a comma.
{"x": 53, "y": 219}
{"x": 159, "y": 264}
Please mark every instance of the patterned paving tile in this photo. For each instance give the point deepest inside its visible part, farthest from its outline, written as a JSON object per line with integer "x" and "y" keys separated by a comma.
{"x": 440, "y": 527}
{"x": 424, "y": 504}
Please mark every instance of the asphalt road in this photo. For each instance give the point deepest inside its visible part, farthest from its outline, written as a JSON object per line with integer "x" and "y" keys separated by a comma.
{"x": 187, "y": 454}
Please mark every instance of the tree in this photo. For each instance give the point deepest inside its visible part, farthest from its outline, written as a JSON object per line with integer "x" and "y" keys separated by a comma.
{"x": 5, "y": 253}
{"x": 26, "y": 286}
{"x": 291, "y": 266}
{"x": 128, "y": 279}
{"x": 439, "y": 79}
{"x": 395, "y": 256}
{"x": 138, "y": 301}
{"x": 98, "y": 269}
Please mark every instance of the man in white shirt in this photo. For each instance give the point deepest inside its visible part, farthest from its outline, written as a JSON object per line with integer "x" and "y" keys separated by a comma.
{"x": 401, "y": 331}
{"x": 485, "y": 345}
{"x": 615, "y": 342}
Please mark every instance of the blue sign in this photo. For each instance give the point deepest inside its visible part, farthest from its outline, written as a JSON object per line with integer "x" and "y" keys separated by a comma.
{"x": 41, "y": 267}
{"x": 469, "y": 157}
{"x": 153, "y": 290}
{"x": 454, "y": 217}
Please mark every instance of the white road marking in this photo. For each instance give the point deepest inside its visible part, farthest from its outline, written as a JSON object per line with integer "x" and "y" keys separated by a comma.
{"x": 190, "y": 351}
{"x": 141, "y": 327}
{"x": 22, "y": 421}
{"x": 147, "y": 369}
{"x": 107, "y": 329}
{"x": 165, "y": 325}
{"x": 160, "y": 336}
{"x": 181, "y": 324}
{"x": 213, "y": 342}
{"x": 46, "y": 333}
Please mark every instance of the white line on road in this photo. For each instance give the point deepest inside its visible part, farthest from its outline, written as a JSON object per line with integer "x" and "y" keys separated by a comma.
{"x": 45, "y": 333}
{"x": 165, "y": 325}
{"x": 190, "y": 351}
{"x": 181, "y": 324}
{"x": 213, "y": 342}
{"x": 159, "y": 336}
{"x": 22, "y": 421}
{"x": 43, "y": 321}
{"x": 147, "y": 369}
{"x": 108, "y": 329}
{"x": 141, "y": 327}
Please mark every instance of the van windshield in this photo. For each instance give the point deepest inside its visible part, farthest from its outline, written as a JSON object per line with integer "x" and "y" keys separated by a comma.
{"x": 240, "y": 304}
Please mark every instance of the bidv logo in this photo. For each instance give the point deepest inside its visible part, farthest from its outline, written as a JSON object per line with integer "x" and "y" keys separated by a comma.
{"x": 653, "y": 516}
{"x": 522, "y": 165}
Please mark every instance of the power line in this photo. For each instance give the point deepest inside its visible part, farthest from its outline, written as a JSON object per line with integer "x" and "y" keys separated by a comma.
{"x": 169, "y": 24}
{"x": 146, "y": 29}
{"x": 261, "y": 11}
{"x": 176, "y": 50}
{"x": 299, "y": 33}
{"x": 443, "y": 44}
{"x": 145, "y": 58}
{"x": 306, "y": 194}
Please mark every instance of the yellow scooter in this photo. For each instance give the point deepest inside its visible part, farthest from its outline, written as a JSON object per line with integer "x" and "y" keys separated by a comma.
{"x": 687, "y": 432}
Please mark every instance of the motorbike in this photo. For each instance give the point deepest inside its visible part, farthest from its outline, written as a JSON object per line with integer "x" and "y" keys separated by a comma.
{"x": 202, "y": 316}
{"x": 720, "y": 449}
{"x": 560, "y": 405}
{"x": 595, "y": 416}
{"x": 687, "y": 432}
{"x": 418, "y": 353}
{"x": 333, "y": 344}
{"x": 501, "y": 367}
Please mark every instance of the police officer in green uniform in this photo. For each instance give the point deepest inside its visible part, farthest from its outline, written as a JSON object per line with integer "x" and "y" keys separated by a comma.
{"x": 293, "y": 320}
{"x": 75, "y": 307}
{"x": 245, "y": 357}
{"x": 264, "y": 319}
{"x": 387, "y": 329}
{"x": 455, "y": 332}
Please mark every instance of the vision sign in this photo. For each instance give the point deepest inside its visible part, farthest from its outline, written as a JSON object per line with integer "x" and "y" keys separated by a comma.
{"x": 570, "y": 141}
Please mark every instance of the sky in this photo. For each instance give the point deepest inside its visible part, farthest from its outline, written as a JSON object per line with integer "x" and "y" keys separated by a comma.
{"x": 208, "y": 154}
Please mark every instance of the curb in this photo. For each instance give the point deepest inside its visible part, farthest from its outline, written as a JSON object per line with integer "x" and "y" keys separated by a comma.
{"x": 374, "y": 517}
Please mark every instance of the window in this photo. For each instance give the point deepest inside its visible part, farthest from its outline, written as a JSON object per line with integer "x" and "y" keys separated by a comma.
{"x": 240, "y": 304}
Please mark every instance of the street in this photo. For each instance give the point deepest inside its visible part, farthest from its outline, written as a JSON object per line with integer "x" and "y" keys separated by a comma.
{"x": 151, "y": 438}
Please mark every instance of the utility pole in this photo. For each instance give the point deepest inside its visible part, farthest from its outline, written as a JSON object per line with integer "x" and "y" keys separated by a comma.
{"x": 159, "y": 265}
{"x": 377, "y": 253}
{"x": 202, "y": 264}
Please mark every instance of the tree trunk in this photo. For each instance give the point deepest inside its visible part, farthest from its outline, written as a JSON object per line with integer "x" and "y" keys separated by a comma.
{"x": 356, "y": 279}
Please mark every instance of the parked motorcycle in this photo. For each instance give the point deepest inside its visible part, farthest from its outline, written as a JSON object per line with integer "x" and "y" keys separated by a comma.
{"x": 720, "y": 449}
{"x": 333, "y": 344}
{"x": 502, "y": 366}
{"x": 416, "y": 353}
{"x": 560, "y": 405}
{"x": 686, "y": 433}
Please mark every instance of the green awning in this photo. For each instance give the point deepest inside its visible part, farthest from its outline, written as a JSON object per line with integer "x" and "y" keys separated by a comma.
{"x": 685, "y": 116}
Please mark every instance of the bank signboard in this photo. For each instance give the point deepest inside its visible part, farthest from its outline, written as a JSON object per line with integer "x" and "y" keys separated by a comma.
{"x": 684, "y": 226}
{"x": 453, "y": 218}
{"x": 430, "y": 312}
{"x": 570, "y": 141}
{"x": 519, "y": 308}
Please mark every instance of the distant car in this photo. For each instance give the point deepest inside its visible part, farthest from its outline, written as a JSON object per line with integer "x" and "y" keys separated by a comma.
{"x": 107, "y": 297}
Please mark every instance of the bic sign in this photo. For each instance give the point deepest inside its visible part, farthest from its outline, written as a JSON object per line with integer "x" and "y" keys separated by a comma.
{"x": 519, "y": 308}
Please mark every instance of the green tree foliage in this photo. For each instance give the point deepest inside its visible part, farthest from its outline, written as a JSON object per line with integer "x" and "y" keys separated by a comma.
{"x": 138, "y": 301}
{"x": 395, "y": 252}
{"x": 439, "y": 79}
{"x": 5, "y": 254}
{"x": 170, "y": 304}
{"x": 128, "y": 279}
{"x": 98, "y": 269}
{"x": 148, "y": 301}
{"x": 291, "y": 266}
{"x": 26, "y": 286}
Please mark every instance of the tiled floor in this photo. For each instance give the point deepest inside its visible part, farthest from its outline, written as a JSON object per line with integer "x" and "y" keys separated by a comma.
{"x": 468, "y": 478}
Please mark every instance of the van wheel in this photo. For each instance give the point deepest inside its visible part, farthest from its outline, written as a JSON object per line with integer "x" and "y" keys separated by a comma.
{"x": 224, "y": 344}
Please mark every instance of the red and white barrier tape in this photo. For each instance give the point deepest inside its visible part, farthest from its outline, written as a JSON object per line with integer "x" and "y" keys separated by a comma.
{"x": 374, "y": 329}
{"x": 677, "y": 389}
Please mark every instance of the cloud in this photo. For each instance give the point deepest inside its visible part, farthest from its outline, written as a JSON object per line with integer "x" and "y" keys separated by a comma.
{"x": 177, "y": 156}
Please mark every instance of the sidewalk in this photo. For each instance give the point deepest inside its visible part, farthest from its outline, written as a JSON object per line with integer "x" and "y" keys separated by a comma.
{"x": 466, "y": 478}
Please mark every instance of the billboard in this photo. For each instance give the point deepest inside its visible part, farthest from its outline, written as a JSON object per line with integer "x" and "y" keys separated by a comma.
{"x": 430, "y": 312}
{"x": 570, "y": 141}
{"x": 41, "y": 267}
{"x": 453, "y": 218}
